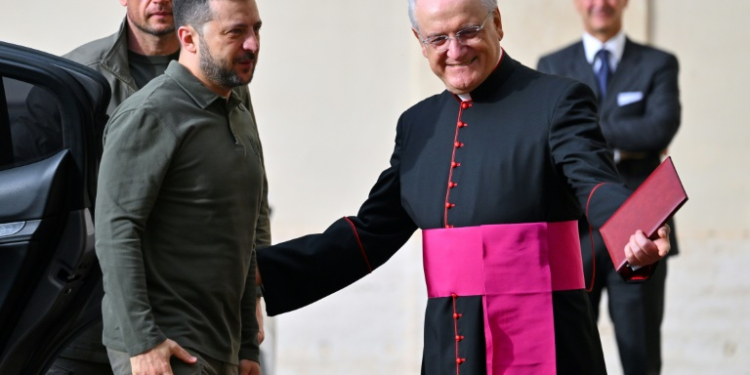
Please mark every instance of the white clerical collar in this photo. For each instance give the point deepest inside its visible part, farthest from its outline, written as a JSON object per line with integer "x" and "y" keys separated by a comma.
{"x": 615, "y": 46}
{"x": 467, "y": 97}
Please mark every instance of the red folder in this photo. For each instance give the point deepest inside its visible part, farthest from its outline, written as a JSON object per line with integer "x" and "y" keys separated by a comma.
{"x": 647, "y": 209}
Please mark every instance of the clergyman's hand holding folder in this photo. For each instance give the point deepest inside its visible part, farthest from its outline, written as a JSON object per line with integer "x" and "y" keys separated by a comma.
{"x": 648, "y": 208}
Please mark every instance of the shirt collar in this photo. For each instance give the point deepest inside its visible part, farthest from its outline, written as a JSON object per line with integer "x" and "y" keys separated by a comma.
{"x": 615, "y": 46}
{"x": 202, "y": 95}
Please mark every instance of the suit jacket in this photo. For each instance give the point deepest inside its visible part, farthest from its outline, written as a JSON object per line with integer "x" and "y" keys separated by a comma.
{"x": 640, "y": 113}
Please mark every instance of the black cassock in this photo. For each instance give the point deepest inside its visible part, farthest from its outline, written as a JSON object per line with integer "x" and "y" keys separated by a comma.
{"x": 525, "y": 149}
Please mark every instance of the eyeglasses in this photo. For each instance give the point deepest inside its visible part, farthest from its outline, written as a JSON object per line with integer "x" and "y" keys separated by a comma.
{"x": 466, "y": 36}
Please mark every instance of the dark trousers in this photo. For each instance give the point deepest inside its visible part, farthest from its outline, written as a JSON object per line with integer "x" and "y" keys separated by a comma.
{"x": 636, "y": 310}
{"x": 66, "y": 366}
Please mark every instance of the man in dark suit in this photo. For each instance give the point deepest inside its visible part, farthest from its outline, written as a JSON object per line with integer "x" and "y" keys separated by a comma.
{"x": 639, "y": 112}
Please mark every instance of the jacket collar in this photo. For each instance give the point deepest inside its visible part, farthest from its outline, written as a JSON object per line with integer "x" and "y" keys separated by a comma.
{"x": 116, "y": 59}
{"x": 623, "y": 75}
{"x": 580, "y": 68}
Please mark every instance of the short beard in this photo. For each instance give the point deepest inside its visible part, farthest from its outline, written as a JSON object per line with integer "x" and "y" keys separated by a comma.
{"x": 154, "y": 32}
{"x": 216, "y": 73}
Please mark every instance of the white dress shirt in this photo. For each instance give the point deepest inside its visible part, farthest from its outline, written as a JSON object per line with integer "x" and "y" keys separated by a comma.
{"x": 615, "y": 46}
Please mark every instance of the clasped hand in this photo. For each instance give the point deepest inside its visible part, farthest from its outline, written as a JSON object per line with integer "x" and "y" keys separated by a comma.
{"x": 642, "y": 251}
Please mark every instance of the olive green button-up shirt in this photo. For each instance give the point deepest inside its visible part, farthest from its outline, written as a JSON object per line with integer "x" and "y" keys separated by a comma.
{"x": 181, "y": 206}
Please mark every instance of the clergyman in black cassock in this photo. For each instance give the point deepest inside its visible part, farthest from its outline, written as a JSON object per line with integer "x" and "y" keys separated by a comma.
{"x": 505, "y": 155}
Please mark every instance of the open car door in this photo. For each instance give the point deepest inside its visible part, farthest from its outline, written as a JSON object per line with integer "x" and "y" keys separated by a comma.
{"x": 52, "y": 112}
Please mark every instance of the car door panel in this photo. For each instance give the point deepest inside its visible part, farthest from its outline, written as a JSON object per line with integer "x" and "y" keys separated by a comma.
{"x": 50, "y": 282}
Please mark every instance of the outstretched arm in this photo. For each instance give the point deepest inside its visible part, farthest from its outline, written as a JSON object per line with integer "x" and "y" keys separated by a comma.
{"x": 301, "y": 271}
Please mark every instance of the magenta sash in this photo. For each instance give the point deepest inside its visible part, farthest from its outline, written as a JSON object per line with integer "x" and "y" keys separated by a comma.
{"x": 515, "y": 268}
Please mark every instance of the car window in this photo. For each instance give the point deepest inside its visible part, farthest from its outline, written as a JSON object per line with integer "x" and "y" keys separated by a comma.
{"x": 32, "y": 123}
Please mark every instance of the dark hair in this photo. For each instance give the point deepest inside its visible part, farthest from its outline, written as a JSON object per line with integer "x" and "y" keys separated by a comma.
{"x": 191, "y": 12}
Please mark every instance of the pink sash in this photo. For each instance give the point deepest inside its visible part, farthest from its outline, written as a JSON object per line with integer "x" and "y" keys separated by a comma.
{"x": 515, "y": 268}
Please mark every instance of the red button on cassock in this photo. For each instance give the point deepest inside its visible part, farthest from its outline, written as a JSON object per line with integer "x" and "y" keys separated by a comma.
{"x": 465, "y": 105}
{"x": 456, "y": 316}
{"x": 452, "y": 184}
{"x": 449, "y": 205}
{"x": 460, "y": 124}
{"x": 455, "y": 165}
{"x": 460, "y": 360}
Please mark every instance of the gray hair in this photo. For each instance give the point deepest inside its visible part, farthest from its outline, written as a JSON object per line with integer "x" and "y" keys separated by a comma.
{"x": 488, "y": 4}
{"x": 191, "y": 12}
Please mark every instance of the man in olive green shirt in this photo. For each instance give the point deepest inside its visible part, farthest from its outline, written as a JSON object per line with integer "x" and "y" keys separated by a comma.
{"x": 182, "y": 195}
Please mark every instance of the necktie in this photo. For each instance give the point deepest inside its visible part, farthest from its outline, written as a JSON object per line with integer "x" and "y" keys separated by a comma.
{"x": 604, "y": 73}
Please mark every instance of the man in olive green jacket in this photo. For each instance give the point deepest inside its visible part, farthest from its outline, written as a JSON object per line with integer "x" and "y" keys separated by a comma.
{"x": 110, "y": 57}
{"x": 128, "y": 59}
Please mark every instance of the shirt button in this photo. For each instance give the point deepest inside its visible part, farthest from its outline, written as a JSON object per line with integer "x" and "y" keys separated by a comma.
{"x": 465, "y": 105}
{"x": 452, "y": 185}
{"x": 455, "y": 165}
{"x": 449, "y": 205}
{"x": 458, "y": 144}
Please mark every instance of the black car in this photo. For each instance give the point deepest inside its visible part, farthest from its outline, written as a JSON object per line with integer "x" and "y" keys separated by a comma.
{"x": 52, "y": 112}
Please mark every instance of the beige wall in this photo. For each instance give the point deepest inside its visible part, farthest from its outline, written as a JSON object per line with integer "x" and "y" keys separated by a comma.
{"x": 58, "y": 26}
{"x": 713, "y": 141}
{"x": 707, "y": 326}
{"x": 334, "y": 77}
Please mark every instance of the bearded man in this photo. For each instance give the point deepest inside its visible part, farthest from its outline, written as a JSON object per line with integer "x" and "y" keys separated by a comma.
{"x": 182, "y": 204}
